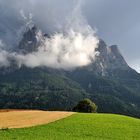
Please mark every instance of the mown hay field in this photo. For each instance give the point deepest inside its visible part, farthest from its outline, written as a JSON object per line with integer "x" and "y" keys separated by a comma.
{"x": 27, "y": 118}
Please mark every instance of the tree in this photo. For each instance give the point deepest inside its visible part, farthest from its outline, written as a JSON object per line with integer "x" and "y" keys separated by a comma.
{"x": 85, "y": 106}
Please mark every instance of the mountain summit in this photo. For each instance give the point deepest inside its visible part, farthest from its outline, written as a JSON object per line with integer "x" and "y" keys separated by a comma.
{"x": 29, "y": 42}
{"x": 108, "y": 60}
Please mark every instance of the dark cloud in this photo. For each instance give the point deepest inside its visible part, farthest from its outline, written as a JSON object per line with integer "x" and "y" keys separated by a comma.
{"x": 71, "y": 38}
{"x": 48, "y": 15}
{"x": 117, "y": 22}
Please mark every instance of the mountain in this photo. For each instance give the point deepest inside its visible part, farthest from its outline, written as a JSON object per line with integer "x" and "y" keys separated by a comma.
{"x": 108, "y": 81}
{"x": 109, "y": 60}
{"x": 29, "y": 42}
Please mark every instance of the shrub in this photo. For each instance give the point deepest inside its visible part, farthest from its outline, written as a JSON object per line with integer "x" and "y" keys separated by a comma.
{"x": 85, "y": 106}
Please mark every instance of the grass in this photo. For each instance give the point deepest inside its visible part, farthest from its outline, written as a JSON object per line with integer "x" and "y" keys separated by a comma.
{"x": 80, "y": 127}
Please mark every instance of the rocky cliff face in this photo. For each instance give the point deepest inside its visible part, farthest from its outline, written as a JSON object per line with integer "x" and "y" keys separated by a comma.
{"x": 30, "y": 41}
{"x": 108, "y": 60}
{"x": 116, "y": 59}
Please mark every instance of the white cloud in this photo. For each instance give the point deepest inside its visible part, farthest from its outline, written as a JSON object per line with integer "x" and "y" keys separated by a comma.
{"x": 71, "y": 45}
{"x": 63, "y": 51}
{"x": 136, "y": 65}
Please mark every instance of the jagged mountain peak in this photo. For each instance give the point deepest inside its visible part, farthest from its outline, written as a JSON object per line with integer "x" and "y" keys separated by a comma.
{"x": 108, "y": 60}
{"x": 116, "y": 58}
{"x": 109, "y": 57}
{"x": 31, "y": 40}
{"x": 114, "y": 49}
{"x": 102, "y": 47}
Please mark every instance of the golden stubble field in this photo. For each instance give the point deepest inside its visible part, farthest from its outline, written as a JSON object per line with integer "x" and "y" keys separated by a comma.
{"x": 28, "y": 118}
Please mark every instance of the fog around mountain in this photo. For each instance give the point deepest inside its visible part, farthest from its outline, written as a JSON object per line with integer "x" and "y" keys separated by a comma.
{"x": 117, "y": 22}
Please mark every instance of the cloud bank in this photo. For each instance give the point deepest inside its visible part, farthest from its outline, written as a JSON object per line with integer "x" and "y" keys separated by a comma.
{"x": 72, "y": 42}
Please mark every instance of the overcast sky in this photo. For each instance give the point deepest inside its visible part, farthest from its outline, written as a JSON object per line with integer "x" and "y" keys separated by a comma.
{"x": 116, "y": 21}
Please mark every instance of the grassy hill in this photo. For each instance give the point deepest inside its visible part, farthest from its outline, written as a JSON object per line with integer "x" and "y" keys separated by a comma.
{"x": 80, "y": 127}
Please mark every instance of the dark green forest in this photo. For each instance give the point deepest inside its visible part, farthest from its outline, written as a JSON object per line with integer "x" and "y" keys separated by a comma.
{"x": 47, "y": 89}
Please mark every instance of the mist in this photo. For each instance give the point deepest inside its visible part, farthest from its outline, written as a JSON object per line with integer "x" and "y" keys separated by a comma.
{"x": 72, "y": 42}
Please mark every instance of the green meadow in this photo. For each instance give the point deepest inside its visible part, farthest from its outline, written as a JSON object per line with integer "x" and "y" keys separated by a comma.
{"x": 80, "y": 127}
